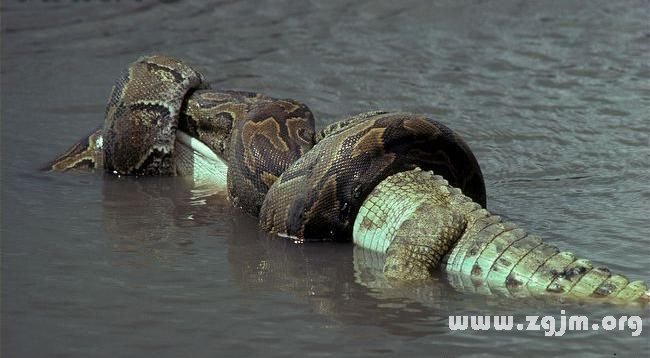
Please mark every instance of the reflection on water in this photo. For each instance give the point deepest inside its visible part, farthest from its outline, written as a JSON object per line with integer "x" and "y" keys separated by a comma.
{"x": 141, "y": 217}
{"x": 340, "y": 281}
{"x": 551, "y": 96}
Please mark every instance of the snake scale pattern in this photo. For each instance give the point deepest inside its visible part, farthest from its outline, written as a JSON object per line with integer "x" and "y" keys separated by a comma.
{"x": 369, "y": 177}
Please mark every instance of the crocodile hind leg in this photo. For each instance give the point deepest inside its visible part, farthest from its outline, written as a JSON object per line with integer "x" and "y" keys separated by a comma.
{"x": 418, "y": 246}
{"x": 409, "y": 225}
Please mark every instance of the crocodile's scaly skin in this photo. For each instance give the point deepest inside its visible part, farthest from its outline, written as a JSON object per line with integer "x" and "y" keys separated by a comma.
{"x": 418, "y": 221}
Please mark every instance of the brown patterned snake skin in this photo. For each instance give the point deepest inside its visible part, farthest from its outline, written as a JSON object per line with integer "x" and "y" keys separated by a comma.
{"x": 308, "y": 185}
{"x": 260, "y": 137}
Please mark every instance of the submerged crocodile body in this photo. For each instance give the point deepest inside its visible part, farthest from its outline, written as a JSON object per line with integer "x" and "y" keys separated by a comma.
{"x": 422, "y": 224}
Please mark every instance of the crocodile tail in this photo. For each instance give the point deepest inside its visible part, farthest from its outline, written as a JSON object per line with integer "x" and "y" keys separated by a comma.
{"x": 500, "y": 257}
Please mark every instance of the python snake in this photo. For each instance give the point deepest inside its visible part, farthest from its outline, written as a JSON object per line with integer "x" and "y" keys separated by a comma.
{"x": 261, "y": 138}
{"x": 309, "y": 185}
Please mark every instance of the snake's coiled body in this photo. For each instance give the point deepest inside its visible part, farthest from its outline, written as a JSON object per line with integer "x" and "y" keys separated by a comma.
{"x": 142, "y": 116}
{"x": 324, "y": 176}
{"x": 310, "y": 185}
{"x": 319, "y": 196}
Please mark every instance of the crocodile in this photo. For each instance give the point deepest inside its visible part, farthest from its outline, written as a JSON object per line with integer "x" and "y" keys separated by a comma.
{"x": 422, "y": 224}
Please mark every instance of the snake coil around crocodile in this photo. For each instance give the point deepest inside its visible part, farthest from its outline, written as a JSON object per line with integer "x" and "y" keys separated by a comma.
{"x": 302, "y": 184}
{"x": 401, "y": 184}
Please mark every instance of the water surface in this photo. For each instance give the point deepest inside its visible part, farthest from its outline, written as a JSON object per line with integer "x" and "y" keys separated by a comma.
{"x": 552, "y": 97}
